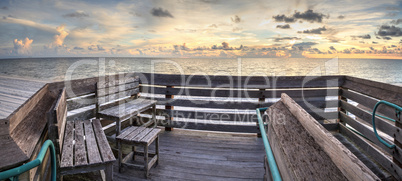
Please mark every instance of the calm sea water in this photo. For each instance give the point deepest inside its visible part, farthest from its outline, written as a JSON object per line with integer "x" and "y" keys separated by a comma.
{"x": 55, "y": 69}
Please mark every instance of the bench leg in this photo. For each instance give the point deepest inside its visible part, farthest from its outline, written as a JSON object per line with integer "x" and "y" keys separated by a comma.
{"x": 154, "y": 115}
{"x": 119, "y": 155}
{"x": 133, "y": 152}
{"x": 157, "y": 150}
{"x": 146, "y": 161}
{"x": 109, "y": 172}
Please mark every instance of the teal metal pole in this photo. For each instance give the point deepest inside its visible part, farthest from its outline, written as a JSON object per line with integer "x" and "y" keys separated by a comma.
{"x": 270, "y": 156}
{"x": 397, "y": 108}
{"x": 34, "y": 163}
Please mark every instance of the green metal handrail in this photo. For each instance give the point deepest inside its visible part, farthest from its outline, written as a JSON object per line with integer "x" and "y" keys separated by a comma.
{"x": 398, "y": 111}
{"x": 13, "y": 174}
{"x": 270, "y": 156}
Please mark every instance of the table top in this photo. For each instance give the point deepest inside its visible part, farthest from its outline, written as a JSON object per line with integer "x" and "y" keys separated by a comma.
{"x": 136, "y": 134}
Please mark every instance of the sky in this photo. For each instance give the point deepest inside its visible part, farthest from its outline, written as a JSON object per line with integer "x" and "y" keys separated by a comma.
{"x": 201, "y": 28}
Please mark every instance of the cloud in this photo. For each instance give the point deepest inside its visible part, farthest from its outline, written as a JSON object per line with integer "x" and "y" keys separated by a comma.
{"x": 22, "y": 47}
{"x": 371, "y": 48}
{"x": 387, "y": 38}
{"x": 386, "y": 30}
{"x": 341, "y": 17}
{"x": 159, "y": 12}
{"x": 59, "y": 39}
{"x": 285, "y": 38}
{"x": 374, "y": 42}
{"x": 78, "y": 48}
{"x": 283, "y": 18}
{"x": 236, "y": 19}
{"x": 100, "y": 48}
{"x": 396, "y": 22}
{"x": 4, "y": 8}
{"x": 363, "y": 36}
{"x": 236, "y": 29}
{"x": 225, "y": 45}
{"x": 77, "y": 14}
{"x": 308, "y": 15}
{"x": 314, "y": 31}
{"x": 332, "y": 48}
{"x": 213, "y": 26}
{"x": 285, "y": 26}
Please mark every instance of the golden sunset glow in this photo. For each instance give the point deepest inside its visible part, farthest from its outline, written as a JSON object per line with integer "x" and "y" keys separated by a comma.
{"x": 202, "y": 28}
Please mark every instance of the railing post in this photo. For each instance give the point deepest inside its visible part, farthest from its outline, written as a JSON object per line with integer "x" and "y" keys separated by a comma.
{"x": 341, "y": 98}
{"x": 261, "y": 101}
{"x": 169, "y": 108}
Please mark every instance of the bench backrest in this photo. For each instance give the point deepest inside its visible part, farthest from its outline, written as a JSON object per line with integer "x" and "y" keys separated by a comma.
{"x": 57, "y": 117}
{"x": 112, "y": 91}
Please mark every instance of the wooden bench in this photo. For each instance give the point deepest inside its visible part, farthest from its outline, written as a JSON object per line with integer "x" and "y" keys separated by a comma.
{"x": 81, "y": 146}
{"x": 118, "y": 100}
{"x": 139, "y": 136}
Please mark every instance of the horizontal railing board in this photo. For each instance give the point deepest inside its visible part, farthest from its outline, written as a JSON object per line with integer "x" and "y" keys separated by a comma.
{"x": 79, "y": 87}
{"x": 240, "y": 93}
{"x": 368, "y": 102}
{"x": 380, "y": 93}
{"x": 380, "y": 85}
{"x": 367, "y": 132}
{"x": 376, "y": 154}
{"x": 381, "y": 124}
{"x": 237, "y": 104}
{"x": 257, "y": 82}
{"x": 115, "y": 89}
{"x": 211, "y": 127}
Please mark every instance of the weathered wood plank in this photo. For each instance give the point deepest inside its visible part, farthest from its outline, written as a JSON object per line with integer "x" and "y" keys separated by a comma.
{"x": 141, "y": 135}
{"x": 368, "y": 102}
{"x": 285, "y": 130}
{"x": 381, "y": 158}
{"x": 210, "y": 127}
{"x": 349, "y": 165}
{"x": 17, "y": 116}
{"x": 127, "y": 109}
{"x": 80, "y": 152}
{"x": 67, "y": 156}
{"x": 115, "y": 89}
{"x": 240, "y": 93}
{"x": 151, "y": 136}
{"x": 235, "y": 104}
{"x": 80, "y": 102}
{"x": 368, "y": 132}
{"x": 256, "y": 82}
{"x": 116, "y": 96}
{"x": 381, "y": 124}
{"x": 376, "y": 90}
{"x": 92, "y": 145}
{"x": 104, "y": 146}
{"x": 117, "y": 80}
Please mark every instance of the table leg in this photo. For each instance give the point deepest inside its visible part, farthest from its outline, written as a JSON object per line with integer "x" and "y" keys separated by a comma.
{"x": 146, "y": 160}
{"x": 119, "y": 155}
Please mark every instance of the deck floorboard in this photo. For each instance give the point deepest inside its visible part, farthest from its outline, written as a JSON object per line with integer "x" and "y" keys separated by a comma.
{"x": 197, "y": 155}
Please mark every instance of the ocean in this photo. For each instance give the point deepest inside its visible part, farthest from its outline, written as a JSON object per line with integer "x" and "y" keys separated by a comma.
{"x": 57, "y": 69}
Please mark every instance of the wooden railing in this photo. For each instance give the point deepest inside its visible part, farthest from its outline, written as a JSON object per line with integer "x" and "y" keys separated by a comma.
{"x": 359, "y": 119}
{"x": 216, "y": 103}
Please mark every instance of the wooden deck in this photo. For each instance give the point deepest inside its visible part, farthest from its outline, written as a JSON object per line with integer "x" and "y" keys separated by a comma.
{"x": 14, "y": 92}
{"x": 198, "y": 155}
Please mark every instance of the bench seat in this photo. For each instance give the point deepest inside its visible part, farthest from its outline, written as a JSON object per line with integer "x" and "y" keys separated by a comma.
{"x": 78, "y": 152}
{"x": 127, "y": 110}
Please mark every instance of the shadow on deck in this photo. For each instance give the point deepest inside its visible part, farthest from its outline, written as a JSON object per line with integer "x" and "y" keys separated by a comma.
{"x": 197, "y": 155}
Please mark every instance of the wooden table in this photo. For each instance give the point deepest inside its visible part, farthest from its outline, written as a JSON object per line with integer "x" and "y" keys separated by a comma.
{"x": 139, "y": 136}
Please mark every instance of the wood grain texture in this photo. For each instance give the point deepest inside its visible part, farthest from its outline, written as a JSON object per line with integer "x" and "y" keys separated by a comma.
{"x": 293, "y": 147}
{"x": 350, "y": 166}
{"x": 127, "y": 109}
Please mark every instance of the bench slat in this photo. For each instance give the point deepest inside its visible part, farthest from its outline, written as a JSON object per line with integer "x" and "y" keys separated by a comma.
{"x": 119, "y": 95}
{"x": 68, "y": 147}
{"x": 127, "y": 132}
{"x": 92, "y": 146}
{"x": 134, "y": 133}
{"x": 104, "y": 147}
{"x": 151, "y": 136}
{"x": 115, "y": 89}
{"x": 79, "y": 148}
{"x": 130, "y": 109}
{"x": 141, "y": 135}
{"x": 117, "y": 81}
